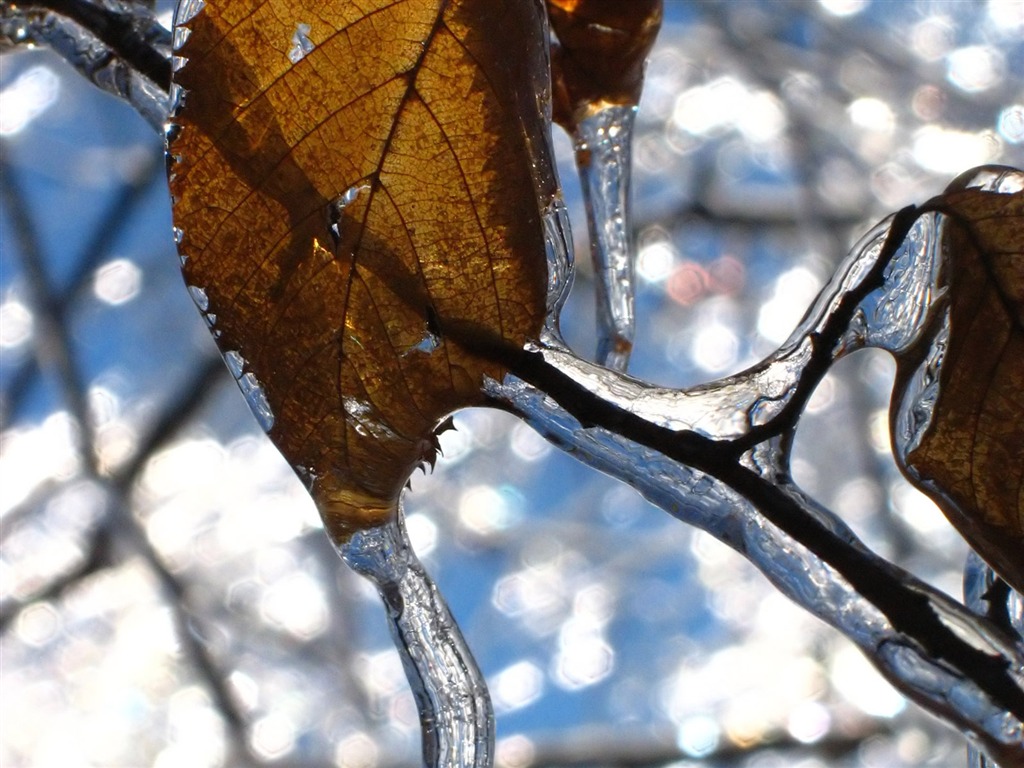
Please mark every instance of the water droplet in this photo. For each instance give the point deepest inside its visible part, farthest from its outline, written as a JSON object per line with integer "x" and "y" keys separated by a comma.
{"x": 199, "y": 297}
{"x": 339, "y": 204}
{"x": 187, "y": 11}
{"x": 181, "y": 34}
{"x": 365, "y": 419}
{"x": 179, "y": 233}
{"x": 171, "y": 132}
{"x": 301, "y": 44}
{"x": 349, "y": 196}
{"x": 427, "y": 344}
{"x": 257, "y": 400}
{"x": 251, "y": 388}
{"x": 235, "y": 363}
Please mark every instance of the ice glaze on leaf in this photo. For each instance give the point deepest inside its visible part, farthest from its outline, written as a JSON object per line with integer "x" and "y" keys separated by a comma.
{"x": 359, "y": 186}
{"x": 600, "y": 55}
{"x": 970, "y": 457}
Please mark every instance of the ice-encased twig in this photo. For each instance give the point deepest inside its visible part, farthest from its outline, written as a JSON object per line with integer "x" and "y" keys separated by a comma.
{"x": 986, "y": 595}
{"x": 658, "y": 440}
{"x": 701, "y": 500}
{"x": 603, "y": 142}
{"x": 93, "y": 59}
{"x": 455, "y": 709}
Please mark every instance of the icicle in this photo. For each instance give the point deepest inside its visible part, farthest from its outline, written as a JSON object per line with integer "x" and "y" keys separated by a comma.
{"x": 603, "y": 141}
{"x": 451, "y": 694}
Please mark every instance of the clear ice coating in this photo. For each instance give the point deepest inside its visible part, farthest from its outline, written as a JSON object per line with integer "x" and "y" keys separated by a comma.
{"x": 979, "y": 580}
{"x": 256, "y": 397}
{"x": 349, "y": 196}
{"x": 301, "y": 44}
{"x": 913, "y": 307}
{"x": 200, "y": 298}
{"x": 451, "y": 693}
{"x": 339, "y": 204}
{"x": 427, "y": 344}
{"x": 103, "y": 66}
{"x": 990, "y": 178}
{"x": 603, "y": 143}
{"x": 187, "y": 10}
{"x": 180, "y": 36}
{"x": 706, "y": 502}
{"x": 253, "y": 392}
{"x": 559, "y": 256}
{"x": 895, "y": 315}
{"x": 903, "y": 305}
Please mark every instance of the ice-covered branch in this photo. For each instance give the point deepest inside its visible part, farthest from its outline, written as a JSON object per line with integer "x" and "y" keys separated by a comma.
{"x": 987, "y": 595}
{"x": 717, "y": 456}
{"x": 979, "y": 690}
{"x": 120, "y": 48}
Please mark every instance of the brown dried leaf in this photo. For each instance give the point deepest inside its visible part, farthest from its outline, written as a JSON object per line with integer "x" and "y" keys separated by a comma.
{"x": 971, "y": 458}
{"x": 600, "y": 56}
{"x": 359, "y": 188}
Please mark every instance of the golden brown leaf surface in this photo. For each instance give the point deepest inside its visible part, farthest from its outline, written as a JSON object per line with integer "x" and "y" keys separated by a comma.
{"x": 601, "y": 51}
{"x": 353, "y": 214}
{"x": 973, "y": 450}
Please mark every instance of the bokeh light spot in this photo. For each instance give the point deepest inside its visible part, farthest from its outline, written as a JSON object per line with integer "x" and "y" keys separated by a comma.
{"x": 931, "y": 38}
{"x": 486, "y": 510}
{"x": 33, "y": 92}
{"x": 422, "y": 533}
{"x": 515, "y": 751}
{"x": 584, "y": 659}
{"x": 715, "y": 348}
{"x": 844, "y": 7}
{"x": 38, "y": 624}
{"x": 527, "y": 445}
{"x": 655, "y": 261}
{"x": 357, "y": 751}
{"x": 1008, "y": 15}
{"x": 15, "y": 324}
{"x": 273, "y": 736}
{"x": 794, "y": 291}
{"x": 1010, "y": 123}
{"x": 975, "y": 68}
{"x": 872, "y": 114}
{"x": 809, "y": 722}
{"x": 862, "y": 686}
{"x": 516, "y": 686}
{"x": 117, "y": 282}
